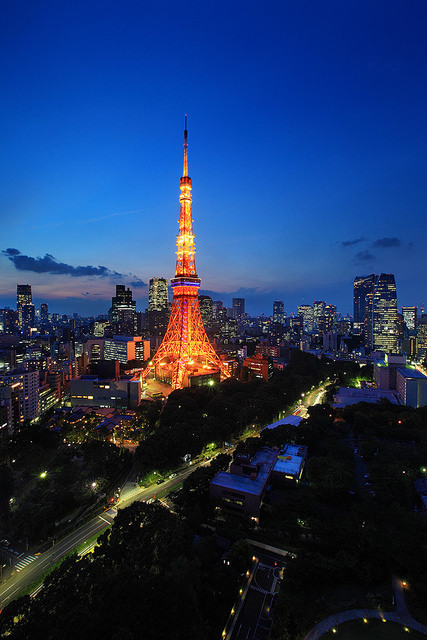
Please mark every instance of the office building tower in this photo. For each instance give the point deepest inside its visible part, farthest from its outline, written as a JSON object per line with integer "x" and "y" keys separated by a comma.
{"x": 158, "y": 306}
{"x": 8, "y": 320}
{"x": 278, "y": 312}
{"x": 122, "y": 314}
{"x": 410, "y": 317}
{"x": 384, "y": 314}
{"x": 238, "y": 308}
{"x": 206, "y": 309}
{"x": 158, "y": 298}
{"x": 23, "y": 295}
{"x": 217, "y": 306}
{"x": 422, "y": 338}
{"x": 305, "y": 311}
{"x": 44, "y": 312}
{"x": 25, "y": 308}
{"x": 318, "y": 311}
{"x": 362, "y": 286}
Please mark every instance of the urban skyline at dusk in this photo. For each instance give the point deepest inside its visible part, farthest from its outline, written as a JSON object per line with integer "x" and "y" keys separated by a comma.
{"x": 306, "y": 142}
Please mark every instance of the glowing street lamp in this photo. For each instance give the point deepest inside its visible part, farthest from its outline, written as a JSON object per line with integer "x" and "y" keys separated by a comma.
{"x": 43, "y": 474}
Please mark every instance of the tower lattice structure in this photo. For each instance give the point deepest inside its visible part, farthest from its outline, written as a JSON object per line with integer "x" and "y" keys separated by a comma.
{"x": 185, "y": 349}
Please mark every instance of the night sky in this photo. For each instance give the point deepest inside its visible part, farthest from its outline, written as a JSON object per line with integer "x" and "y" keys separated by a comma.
{"x": 307, "y": 148}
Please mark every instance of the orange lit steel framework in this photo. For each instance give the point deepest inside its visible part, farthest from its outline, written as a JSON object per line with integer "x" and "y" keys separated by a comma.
{"x": 185, "y": 349}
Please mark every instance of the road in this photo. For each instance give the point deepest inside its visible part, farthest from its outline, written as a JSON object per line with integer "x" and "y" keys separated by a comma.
{"x": 30, "y": 567}
{"x": 400, "y": 615}
{"x": 309, "y": 399}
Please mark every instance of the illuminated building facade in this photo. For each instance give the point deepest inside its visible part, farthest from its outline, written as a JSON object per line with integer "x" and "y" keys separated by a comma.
{"x": 25, "y": 308}
{"x": 185, "y": 352}
{"x": 157, "y": 314}
{"x": 410, "y": 317}
{"x": 278, "y": 312}
{"x": 206, "y": 310}
{"x": 385, "y": 313}
{"x": 158, "y": 298}
{"x": 305, "y": 311}
{"x": 123, "y": 312}
{"x": 238, "y": 308}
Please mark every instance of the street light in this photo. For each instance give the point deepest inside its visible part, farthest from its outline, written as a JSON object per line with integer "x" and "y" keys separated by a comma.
{"x": 43, "y": 474}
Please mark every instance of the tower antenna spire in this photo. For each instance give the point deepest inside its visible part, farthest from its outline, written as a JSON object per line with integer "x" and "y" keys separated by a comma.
{"x": 185, "y": 171}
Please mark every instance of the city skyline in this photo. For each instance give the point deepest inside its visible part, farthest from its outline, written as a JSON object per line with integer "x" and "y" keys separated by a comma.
{"x": 307, "y": 132}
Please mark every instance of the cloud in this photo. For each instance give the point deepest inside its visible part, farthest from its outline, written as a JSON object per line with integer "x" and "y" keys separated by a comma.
{"x": 364, "y": 256}
{"x": 49, "y": 264}
{"x": 350, "y": 243}
{"x": 137, "y": 283}
{"x": 386, "y": 243}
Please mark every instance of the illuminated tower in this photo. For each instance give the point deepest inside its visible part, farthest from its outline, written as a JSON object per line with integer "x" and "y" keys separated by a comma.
{"x": 185, "y": 350}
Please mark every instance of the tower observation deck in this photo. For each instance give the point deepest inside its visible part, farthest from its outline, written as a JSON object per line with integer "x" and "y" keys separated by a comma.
{"x": 185, "y": 350}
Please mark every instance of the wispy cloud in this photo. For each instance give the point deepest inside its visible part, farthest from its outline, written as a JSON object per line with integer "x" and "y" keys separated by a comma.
{"x": 51, "y": 225}
{"x": 49, "y": 264}
{"x": 387, "y": 243}
{"x": 364, "y": 256}
{"x": 350, "y": 243}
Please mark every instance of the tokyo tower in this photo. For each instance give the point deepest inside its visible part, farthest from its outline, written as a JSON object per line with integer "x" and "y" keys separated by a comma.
{"x": 185, "y": 350}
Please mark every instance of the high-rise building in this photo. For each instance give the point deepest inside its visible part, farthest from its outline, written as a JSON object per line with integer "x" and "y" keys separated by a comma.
{"x": 278, "y": 312}
{"x": 44, "y": 312}
{"x": 8, "y": 320}
{"x": 238, "y": 308}
{"x": 305, "y": 311}
{"x": 122, "y": 314}
{"x": 422, "y": 337}
{"x": 158, "y": 306}
{"x": 25, "y": 308}
{"x": 186, "y": 356}
{"x": 410, "y": 317}
{"x": 217, "y": 306}
{"x": 206, "y": 309}
{"x": 363, "y": 285}
{"x": 384, "y": 314}
{"x": 158, "y": 298}
{"x": 318, "y": 311}
{"x": 23, "y": 295}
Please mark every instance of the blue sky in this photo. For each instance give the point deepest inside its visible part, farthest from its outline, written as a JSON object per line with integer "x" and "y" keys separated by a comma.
{"x": 307, "y": 147}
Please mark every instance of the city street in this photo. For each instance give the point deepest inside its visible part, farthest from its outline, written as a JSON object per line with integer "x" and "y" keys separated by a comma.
{"x": 34, "y": 566}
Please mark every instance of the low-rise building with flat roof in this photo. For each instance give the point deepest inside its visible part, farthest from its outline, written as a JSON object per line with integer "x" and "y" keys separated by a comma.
{"x": 411, "y": 386}
{"x": 350, "y": 395}
{"x": 241, "y": 489}
{"x": 290, "y": 463}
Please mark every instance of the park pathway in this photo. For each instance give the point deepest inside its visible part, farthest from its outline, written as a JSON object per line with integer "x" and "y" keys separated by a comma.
{"x": 400, "y": 615}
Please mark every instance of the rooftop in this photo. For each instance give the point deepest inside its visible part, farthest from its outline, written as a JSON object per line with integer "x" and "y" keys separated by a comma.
{"x": 264, "y": 457}
{"x": 353, "y": 395}
{"x": 406, "y": 372}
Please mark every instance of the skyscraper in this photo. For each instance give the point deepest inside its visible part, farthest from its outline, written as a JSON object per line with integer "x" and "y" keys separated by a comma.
{"x": 363, "y": 285}
{"x": 238, "y": 308}
{"x": 206, "y": 309}
{"x": 158, "y": 298}
{"x": 278, "y": 312}
{"x": 410, "y": 317}
{"x": 305, "y": 311}
{"x": 318, "y": 312}
{"x": 385, "y": 313}
{"x": 185, "y": 352}
{"x": 122, "y": 314}
{"x": 25, "y": 308}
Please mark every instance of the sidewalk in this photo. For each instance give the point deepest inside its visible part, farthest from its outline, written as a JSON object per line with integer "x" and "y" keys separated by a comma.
{"x": 401, "y": 615}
